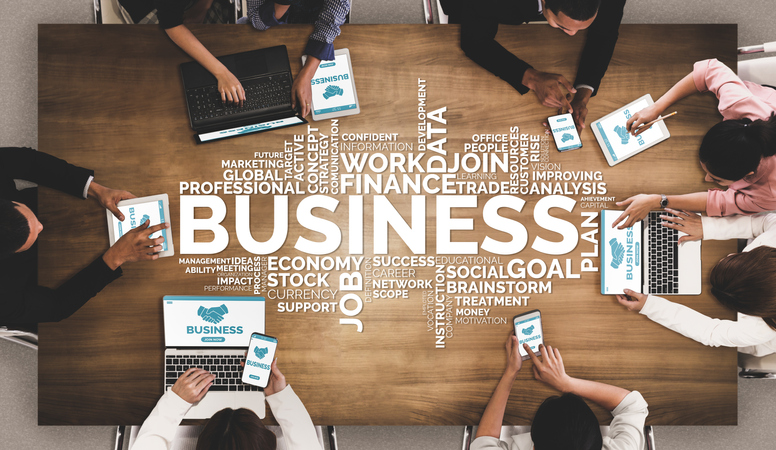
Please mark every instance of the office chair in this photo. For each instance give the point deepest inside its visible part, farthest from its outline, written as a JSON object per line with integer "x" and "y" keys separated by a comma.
{"x": 187, "y": 435}
{"x": 761, "y": 71}
{"x": 21, "y": 337}
{"x": 469, "y": 431}
{"x": 112, "y": 12}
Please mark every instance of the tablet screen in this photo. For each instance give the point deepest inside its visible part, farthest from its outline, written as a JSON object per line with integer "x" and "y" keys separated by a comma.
{"x": 332, "y": 86}
{"x": 136, "y": 214}
{"x": 618, "y": 142}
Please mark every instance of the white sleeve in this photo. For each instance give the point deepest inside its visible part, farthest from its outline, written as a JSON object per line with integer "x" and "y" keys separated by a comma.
{"x": 298, "y": 429}
{"x": 747, "y": 331}
{"x": 626, "y": 432}
{"x": 741, "y": 227}
{"x": 488, "y": 443}
{"x": 159, "y": 428}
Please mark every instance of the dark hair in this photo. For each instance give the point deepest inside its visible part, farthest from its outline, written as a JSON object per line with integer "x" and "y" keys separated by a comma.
{"x": 565, "y": 423}
{"x": 746, "y": 282}
{"x": 14, "y": 228}
{"x": 239, "y": 429}
{"x": 575, "y": 9}
{"x": 733, "y": 148}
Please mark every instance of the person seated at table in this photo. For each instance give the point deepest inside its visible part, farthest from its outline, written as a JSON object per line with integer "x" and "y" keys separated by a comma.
{"x": 327, "y": 15}
{"x": 22, "y": 301}
{"x": 479, "y": 25}
{"x": 737, "y": 153}
{"x": 566, "y": 421}
{"x": 173, "y": 17}
{"x": 744, "y": 282}
{"x": 229, "y": 429}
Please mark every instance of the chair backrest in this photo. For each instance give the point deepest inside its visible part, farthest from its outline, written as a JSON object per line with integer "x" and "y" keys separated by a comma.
{"x": 760, "y": 70}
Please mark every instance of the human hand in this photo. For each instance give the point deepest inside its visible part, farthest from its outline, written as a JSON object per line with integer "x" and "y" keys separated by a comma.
{"x": 632, "y": 300}
{"x": 277, "y": 381}
{"x": 547, "y": 88}
{"x": 230, "y": 88}
{"x": 637, "y": 208}
{"x": 686, "y": 222}
{"x": 212, "y": 315}
{"x": 514, "y": 360}
{"x": 578, "y": 104}
{"x": 108, "y": 198}
{"x": 648, "y": 114}
{"x": 550, "y": 370}
{"x": 193, "y": 384}
{"x": 136, "y": 245}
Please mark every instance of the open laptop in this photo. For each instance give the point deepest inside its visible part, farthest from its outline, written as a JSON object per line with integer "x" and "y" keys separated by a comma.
{"x": 647, "y": 258}
{"x": 265, "y": 75}
{"x": 213, "y": 333}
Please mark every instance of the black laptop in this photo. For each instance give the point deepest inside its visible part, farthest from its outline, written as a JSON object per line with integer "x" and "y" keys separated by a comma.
{"x": 265, "y": 75}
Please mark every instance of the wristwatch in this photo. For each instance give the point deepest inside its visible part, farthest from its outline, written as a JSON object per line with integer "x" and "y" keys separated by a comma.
{"x": 663, "y": 200}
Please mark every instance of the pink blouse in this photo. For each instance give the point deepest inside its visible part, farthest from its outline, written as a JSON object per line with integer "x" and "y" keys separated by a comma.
{"x": 739, "y": 99}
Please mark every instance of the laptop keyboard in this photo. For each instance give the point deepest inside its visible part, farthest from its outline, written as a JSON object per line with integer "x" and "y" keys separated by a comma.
{"x": 262, "y": 93}
{"x": 663, "y": 267}
{"x": 226, "y": 368}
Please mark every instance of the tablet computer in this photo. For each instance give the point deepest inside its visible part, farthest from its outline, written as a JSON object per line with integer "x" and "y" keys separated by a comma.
{"x": 334, "y": 88}
{"x": 155, "y": 208}
{"x": 614, "y": 139}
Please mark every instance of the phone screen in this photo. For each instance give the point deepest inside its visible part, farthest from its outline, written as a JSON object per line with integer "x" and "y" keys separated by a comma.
{"x": 564, "y": 132}
{"x": 528, "y": 329}
{"x": 261, "y": 352}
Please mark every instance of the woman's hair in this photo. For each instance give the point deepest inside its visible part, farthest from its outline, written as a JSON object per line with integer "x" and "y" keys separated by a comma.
{"x": 733, "y": 148}
{"x": 239, "y": 429}
{"x": 565, "y": 423}
{"x": 746, "y": 282}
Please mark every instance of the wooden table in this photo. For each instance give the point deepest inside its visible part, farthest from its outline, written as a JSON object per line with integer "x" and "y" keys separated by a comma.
{"x": 110, "y": 98}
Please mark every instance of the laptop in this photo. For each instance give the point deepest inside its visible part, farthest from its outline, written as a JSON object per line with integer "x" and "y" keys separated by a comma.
{"x": 212, "y": 333}
{"x": 647, "y": 258}
{"x": 265, "y": 75}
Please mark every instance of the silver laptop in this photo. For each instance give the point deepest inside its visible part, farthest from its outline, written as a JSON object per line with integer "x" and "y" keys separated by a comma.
{"x": 213, "y": 333}
{"x": 647, "y": 258}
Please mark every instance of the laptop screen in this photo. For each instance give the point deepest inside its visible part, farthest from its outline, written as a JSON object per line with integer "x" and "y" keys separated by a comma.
{"x": 198, "y": 321}
{"x": 248, "y": 129}
{"x": 621, "y": 260}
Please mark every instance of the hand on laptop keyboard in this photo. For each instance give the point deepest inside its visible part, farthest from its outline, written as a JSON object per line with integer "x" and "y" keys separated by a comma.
{"x": 686, "y": 222}
{"x": 230, "y": 88}
{"x": 193, "y": 384}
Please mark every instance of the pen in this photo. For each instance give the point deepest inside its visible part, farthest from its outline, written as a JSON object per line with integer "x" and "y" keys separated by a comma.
{"x": 649, "y": 124}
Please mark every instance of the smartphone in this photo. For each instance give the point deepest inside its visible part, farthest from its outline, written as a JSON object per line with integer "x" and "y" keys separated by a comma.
{"x": 261, "y": 353}
{"x": 564, "y": 132}
{"x": 528, "y": 329}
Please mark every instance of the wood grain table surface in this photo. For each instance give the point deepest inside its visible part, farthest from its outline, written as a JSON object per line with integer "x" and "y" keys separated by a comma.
{"x": 111, "y": 99}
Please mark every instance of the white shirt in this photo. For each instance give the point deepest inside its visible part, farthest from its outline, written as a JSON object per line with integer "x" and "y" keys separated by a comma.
{"x": 159, "y": 428}
{"x": 626, "y": 432}
{"x": 750, "y": 334}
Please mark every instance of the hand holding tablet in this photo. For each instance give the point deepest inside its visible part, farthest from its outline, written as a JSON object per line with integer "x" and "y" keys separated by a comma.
{"x": 146, "y": 224}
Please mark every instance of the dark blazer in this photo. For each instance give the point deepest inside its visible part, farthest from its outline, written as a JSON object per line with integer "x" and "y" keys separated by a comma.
{"x": 22, "y": 301}
{"x": 480, "y": 20}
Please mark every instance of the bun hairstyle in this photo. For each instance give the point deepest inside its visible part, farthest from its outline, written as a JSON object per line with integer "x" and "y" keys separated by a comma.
{"x": 746, "y": 283}
{"x": 733, "y": 148}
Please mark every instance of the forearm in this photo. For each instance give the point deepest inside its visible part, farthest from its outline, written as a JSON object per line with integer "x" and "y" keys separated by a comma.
{"x": 492, "y": 418}
{"x": 682, "y": 89}
{"x": 310, "y": 66}
{"x": 189, "y": 43}
{"x": 603, "y": 394}
{"x": 689, "y": 202}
